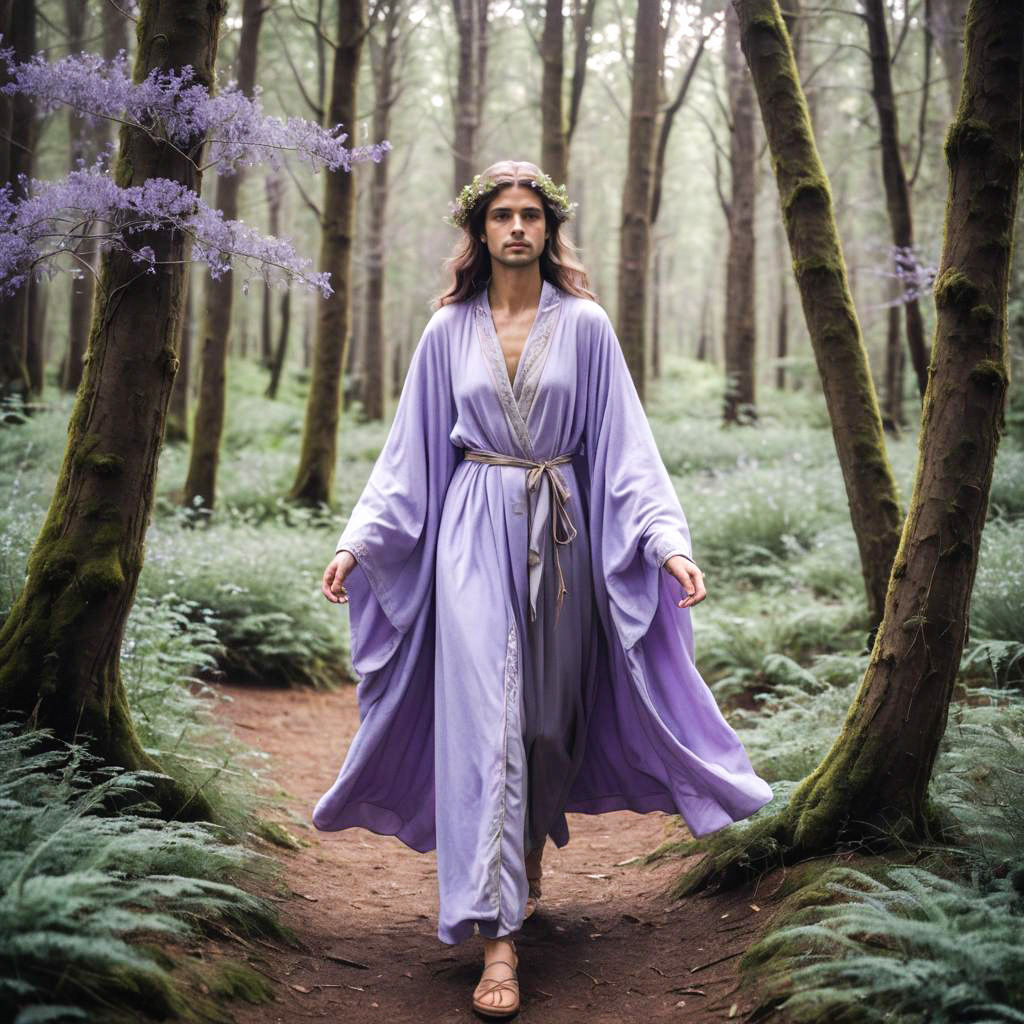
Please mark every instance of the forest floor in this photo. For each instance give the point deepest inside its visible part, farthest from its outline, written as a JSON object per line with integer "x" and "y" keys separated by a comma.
{"x": 606, "y": 945}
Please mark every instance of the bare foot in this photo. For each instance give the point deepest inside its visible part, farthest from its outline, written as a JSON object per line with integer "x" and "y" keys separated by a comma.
{"x": 498, "y": 991}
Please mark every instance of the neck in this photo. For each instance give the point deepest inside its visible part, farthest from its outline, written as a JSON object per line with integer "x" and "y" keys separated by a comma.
{"x": 514, "y": 288}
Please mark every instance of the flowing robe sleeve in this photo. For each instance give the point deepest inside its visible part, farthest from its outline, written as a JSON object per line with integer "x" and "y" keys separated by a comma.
{"x": 637, "y": 522}
{"x": 656, "y": 736}
{"x": 386, "y": 783}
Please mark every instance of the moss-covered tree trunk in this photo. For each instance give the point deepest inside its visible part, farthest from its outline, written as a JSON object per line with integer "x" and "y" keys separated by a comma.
{"x": 806, "y": 202}
{"x": 635, "y": 233}
{"x": 60, "y": 646}
{"x": 218, "y": 296}
{"x": 315, "y": 473}
{"x": 740, "y": 337}
{"x": 17, "y": 136}
{"x": 873, "y": 783}
{"x": 897, "y": 190}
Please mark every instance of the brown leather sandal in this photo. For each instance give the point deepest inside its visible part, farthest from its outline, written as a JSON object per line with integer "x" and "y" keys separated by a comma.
{"x": 496, "y": 1011}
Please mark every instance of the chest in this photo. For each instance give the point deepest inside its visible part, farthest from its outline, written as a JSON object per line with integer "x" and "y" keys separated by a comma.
{"x": 512, "y": 333}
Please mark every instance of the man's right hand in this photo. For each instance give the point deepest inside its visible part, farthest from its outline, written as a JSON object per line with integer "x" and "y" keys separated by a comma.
{"x": 333, "y": 585}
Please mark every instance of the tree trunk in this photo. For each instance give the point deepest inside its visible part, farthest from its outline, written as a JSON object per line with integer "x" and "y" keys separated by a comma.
{"x": 375, "y": 345}
{"x": 218, "y": 296}
{"x": 872, "y": 786}
{"x": 945, "y": 21}
{"x": 315, "y": 473}
{"x": 17, "y": 140}
{"x": 35, "y": 336}
{"x": 782, "y": 326}
{"x": 897, "y": 191}
{"x": 892, "y": 418}
{"x": 274, "y": 186}
{"x": 635, "y": 234}
{"x": 740, "y": 337}
{"x": 471, "y": 29}
{"x": 554, "y": 150}
{"x": 60, "y": 646}
{"x": 79, "y": 134}
{"x": 820, "y": 271}
{"x": 177, "y": 412}
{"x": 277, "y": 365}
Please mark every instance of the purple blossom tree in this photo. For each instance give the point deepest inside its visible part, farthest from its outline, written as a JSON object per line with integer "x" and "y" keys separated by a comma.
{"x": 60, "y": 644}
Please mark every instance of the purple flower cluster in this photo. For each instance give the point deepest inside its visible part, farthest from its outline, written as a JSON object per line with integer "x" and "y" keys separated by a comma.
{"x": 175, "y": 106}
{"x": 45, "y": 222}
{"x": 42, "y": 221}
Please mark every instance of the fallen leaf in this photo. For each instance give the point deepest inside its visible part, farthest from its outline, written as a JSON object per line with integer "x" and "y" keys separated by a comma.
{"x": 599, "y": 876}
{"x": 732, "y": 1010}
{"x": 723, "y": 917}
{"x": 682, "y": 1002}
{"x": 301, "y": 988}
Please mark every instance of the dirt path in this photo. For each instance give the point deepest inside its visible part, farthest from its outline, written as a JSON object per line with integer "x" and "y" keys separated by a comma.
{"x": 606, "y": 946}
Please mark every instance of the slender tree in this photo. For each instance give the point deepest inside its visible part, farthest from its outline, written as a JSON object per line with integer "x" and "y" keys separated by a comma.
{"x": 635, "y": 233}
{"x": 944, "y": 20}
{"x": 557, "y": 125}
{"x": 897, "y": 189}
{"x": 17, "y": 139}
{"x": 76, "y": 16}
{"x": 872, "y": 785}
{"x": 471, "y": 27}
{"x": 60, "y": 645}
{"x": 740, "y": 338}
{"x": 387, "y": 51}
{"x": 218, "y": 297}
{"x": 315, "y": 473}
{"x": 806, "y": 202}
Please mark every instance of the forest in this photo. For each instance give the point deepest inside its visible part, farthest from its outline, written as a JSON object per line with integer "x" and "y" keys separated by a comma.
{"x": 223, "y": 227}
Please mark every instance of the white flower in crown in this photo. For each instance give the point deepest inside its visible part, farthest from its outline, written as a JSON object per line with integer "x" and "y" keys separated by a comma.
{"x": 461, "y": 208}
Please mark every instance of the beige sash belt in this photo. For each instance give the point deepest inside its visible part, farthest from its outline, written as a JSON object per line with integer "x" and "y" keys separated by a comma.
{"x": 563, "y": 530}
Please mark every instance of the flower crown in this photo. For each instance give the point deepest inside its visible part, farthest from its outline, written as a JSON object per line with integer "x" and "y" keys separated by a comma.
{"x": 465, "y": 202}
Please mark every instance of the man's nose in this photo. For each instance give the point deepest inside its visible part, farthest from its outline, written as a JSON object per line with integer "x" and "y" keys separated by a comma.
{"x": 517, "y": 223}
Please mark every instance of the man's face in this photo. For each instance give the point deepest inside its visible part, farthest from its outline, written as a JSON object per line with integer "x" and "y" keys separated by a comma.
{"x": 514, "y": 226}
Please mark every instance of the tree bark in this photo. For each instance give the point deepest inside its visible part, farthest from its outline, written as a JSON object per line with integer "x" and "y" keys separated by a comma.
{"x": 872, "y": 786}
{"x": 177, "y": 412}
{"x": 820, "y": 270}
{"x": 18, "y": 142}
{"x": 635, "y": 233}
{"x": 897, "y": 191}
{"x": 281, "y": 349}
{"x": 375, "y": 347}
{"x": 60, "y": 646}
{"x": 554, "y": 151}
{"x": 471, "y": 28}
{"x": 315, "y": 473}
{"x": 75, "y": 17}
{"x": 945, "y": 22}
{"x": 218, "y": 296}
{"x": 892, "y": 418}
{"x": 740, "y": 337}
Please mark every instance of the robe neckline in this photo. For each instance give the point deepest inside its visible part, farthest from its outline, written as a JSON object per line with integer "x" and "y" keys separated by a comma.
{"x": 516, "y": 396}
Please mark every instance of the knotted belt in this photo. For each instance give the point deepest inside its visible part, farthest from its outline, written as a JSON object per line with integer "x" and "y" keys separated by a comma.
{"x": 563, "y": 530}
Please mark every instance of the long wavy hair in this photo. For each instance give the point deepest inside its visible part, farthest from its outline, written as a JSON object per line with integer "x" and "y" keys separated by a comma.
{"x": 470, "y": 264}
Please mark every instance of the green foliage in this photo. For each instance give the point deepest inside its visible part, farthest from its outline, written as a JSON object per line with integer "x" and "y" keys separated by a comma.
{"x": 912, "y": 948}
{"x": 87, "y": 872}
{"x": 257, "y": 584}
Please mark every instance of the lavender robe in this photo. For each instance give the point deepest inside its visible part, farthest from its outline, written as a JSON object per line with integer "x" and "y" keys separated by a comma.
{"x": 481, "y": 726}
